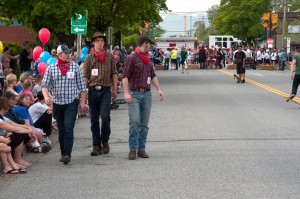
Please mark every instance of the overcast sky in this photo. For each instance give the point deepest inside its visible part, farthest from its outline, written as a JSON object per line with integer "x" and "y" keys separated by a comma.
{"x": 191, "y": 5}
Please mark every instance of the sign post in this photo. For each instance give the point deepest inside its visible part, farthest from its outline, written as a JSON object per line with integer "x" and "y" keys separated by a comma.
{"x": 79, "y": 27}
{"x": 270, "y": 43}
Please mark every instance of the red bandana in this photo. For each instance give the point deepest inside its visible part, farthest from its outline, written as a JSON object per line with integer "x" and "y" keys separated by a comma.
{"x": 100, "y": 56}
{"x": 63, "y": 66}
{"x": 143, "y": 55}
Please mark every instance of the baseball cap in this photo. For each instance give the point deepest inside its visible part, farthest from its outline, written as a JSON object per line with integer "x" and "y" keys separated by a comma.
{"x": 63, "y": 49}
{"x": 9, "y": 95}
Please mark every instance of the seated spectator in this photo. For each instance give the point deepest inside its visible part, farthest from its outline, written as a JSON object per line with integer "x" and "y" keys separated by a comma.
{"x": 41, "y": 115}
{"x": 15, "y": 134}
{"x": 27, "y": 86}
{"x": 11, "y": 82}
{"x": 32, "y": 146}
{"x": 37, "y": 87}
{"x": 20, "y": 83}
{"x": 8, "y": 164}
{"x": 22, "y": 112}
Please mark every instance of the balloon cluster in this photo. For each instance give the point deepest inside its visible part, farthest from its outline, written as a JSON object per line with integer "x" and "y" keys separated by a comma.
{"x": 43, "y": 57}
{"x": 84, "y": 53}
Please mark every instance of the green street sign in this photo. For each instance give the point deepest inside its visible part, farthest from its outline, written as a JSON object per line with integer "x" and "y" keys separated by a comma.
{"x": 78, "y": 29}
{"x": 79, "y": 23}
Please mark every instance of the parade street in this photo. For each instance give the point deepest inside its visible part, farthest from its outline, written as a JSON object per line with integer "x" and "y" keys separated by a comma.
{"x": 209, "y": 138}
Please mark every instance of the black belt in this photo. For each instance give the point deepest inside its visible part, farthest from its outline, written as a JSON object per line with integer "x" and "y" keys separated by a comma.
{"x": 140, "y": 90}
{"x": 98, "y": 88}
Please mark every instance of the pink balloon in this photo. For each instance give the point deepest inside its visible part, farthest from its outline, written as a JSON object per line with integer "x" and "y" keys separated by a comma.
{"x": 37, "y": 51}
{"x": 116, "y": 57}
{"x": 44, "y": 35}
{"x": 42, "y": 67}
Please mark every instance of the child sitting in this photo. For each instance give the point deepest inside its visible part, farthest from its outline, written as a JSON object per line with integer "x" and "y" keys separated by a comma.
{"x": 38, "y": 82}
{"x": 27, "y": 90}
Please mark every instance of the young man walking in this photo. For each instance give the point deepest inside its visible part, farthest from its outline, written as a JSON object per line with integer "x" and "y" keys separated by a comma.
{"x": 138, "y": 74}
{"x": 295, "y": 66}
{"x": 101, "y": 78}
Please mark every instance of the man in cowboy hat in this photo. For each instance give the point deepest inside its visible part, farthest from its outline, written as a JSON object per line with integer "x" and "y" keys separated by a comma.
{"x": 101, "y": 78}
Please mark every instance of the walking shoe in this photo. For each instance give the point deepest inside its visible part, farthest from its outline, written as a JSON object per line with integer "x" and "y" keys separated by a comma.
{"x": 66, "y": 159}
{"x": 290, "y": 97}
{"x": 238, "y": 81}
{"x": 36, "y": 149}
{"x": 243, "y": 81}
{"x": 142, "y": 154}
{"x": 97, "y": 150}
{"x": 132, "y": 155}
{"x": 46, "y": 147}
{"x": 61, "y": 159}
{"x": 106, "y": 148}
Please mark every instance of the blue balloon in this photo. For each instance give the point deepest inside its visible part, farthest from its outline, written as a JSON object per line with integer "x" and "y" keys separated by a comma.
{"x": 83, "y": 56}
{"x": 51, "y": 60}
{"x": 44, "y": 57}
{"x": 84, "y": 50}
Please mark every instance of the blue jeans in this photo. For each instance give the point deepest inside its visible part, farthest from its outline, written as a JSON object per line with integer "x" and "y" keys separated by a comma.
{"x": 167, "y": 62}
{"x": 282, "y": 65}
{"x": 65, "y": 118}
{"x": 99, "y": 104}
{"x": 139, "y": 114}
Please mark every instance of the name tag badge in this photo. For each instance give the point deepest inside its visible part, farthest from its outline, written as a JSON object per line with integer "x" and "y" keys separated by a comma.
{"x": 94, "y": 72}
{"x": 149, "y": 80}
{"x": 70, "y": 75}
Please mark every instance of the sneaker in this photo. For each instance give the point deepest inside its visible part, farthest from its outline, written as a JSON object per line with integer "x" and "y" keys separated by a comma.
{"x": 290, "y": 97}
{"x": 142, "y": 154}
{"x": 37, "y": 149}
{"x": 106, "y": 148}
{"x": 46, "y": 139}
{"x": 132, "y": 155}
{"x": 243, "y": 81}
{"x": 96, "y": 151}
{"x": 46, "y": 147}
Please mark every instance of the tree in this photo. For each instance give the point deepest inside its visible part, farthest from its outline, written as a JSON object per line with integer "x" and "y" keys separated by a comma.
{"x": 241, "y": 19}
{"x": 56, "y": 15}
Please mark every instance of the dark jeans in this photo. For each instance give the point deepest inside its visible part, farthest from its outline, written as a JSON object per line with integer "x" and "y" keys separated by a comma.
{"x": 296, "y": 82}
{"x": 167, "y": 63}
{"x": 202, "y": 65}
{"x": 99, "y": 103}
{"x": 65, "y": 118}
{"x": 44, "y": 122}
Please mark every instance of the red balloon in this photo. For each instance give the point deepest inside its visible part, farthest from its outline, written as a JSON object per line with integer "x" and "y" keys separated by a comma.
{"x": 42, "y": 67}
{"x": 116, "y": 57}
{"x": 44, "y": 35}
{"x": 37, "y": 51}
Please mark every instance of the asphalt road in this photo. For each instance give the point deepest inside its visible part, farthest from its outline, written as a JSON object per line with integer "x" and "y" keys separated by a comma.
{"x": 209, "y": 138}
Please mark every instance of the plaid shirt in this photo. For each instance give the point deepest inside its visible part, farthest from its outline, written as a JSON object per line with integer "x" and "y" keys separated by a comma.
{"x": 137, "y": 72}
{"x": 105, "y": 70}
{"x": 64, "y": 89}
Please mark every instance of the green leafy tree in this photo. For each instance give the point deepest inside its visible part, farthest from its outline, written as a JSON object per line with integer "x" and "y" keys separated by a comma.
{"x": 241, "y": 19}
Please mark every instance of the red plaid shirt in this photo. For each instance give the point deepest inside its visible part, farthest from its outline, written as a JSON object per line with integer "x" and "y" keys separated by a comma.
{"x": 137, "y": 72}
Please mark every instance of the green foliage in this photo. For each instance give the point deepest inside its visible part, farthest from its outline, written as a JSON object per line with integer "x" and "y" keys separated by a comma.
{"x": 129, "y": 40}
{"x": 15, "y": 49}
{"x": 241, "y": 19}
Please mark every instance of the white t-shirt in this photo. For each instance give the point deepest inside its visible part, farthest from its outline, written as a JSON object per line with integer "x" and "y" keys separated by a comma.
{"x": 37, "y": 110}
{"x": 3, "y": 132}
{"x": 274, "y": 56}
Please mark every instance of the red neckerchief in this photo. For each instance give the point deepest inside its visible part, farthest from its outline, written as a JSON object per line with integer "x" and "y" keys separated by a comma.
{"x": 143, "y": 55}
{"x": 100, "y": 55}
{"x": 63, "y": 66}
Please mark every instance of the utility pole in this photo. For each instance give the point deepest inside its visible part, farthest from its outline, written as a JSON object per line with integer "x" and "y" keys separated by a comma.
{"x": 284, "y": 22}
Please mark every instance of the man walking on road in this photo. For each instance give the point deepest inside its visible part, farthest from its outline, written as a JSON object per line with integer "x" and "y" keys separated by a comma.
{"x": 101, "y": 78}
{"x": 65, "y": 79}
{"x": 295, "y": 66}
{"x": 138, "y": 74}
{"x": 239, "y": 59}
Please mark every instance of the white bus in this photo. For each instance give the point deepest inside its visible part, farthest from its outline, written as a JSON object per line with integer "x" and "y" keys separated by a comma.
{"x": 226, "y": 41}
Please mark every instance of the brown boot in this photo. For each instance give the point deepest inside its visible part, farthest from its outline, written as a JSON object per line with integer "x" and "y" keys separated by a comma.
{"x": 66, "y": 159}
{"x": 132, "y": 155}
{"x": 106, "y": 148}
{"x": 142, "y": 154}
{"x": 97, "y": 150}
